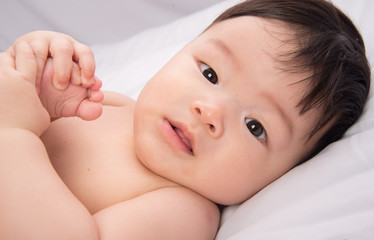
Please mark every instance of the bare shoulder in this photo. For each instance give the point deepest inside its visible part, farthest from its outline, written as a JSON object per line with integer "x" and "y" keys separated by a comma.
{"x": 167, "y": 213}
{"x": 116, "y": 99}
{"x": 196, "y": 216}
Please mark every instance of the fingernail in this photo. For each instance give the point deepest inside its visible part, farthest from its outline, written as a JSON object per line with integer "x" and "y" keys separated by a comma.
{"x": 89, "y": 81}
{"x": 60, "y": 86}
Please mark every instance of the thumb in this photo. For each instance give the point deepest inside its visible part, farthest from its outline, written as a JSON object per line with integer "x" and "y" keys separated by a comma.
{"x": 25, "y": 61}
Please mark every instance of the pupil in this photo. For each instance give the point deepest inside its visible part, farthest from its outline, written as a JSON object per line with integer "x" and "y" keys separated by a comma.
{"x": 210, "y": 75}
{"x": 255, "y": 128}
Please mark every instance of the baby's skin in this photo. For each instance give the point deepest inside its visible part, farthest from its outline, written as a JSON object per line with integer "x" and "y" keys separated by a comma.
{"x": 75, "y": 100}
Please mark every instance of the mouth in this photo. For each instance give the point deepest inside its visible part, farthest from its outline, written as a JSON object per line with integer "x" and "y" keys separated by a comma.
{"x": 178, "y": 136}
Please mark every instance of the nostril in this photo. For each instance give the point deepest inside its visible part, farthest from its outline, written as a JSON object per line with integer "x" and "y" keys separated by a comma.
{"x": 198, "y": 110}
{"x": 212, "y": 128}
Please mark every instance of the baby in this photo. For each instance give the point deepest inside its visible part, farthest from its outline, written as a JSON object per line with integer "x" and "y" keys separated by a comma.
{"x": 268, "y": 85}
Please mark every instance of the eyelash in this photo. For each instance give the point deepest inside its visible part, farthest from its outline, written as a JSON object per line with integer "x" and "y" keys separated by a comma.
{"x": 255, "y": 127}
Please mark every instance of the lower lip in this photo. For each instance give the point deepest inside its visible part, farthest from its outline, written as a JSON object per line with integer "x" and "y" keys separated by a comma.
{"x": 173, "y": 137}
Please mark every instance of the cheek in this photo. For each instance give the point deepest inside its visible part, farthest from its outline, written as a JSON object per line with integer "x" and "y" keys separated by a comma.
{"x": 163, "y": 89}
{"x": 235, "y": 173}
{"x": 147, "y": 143}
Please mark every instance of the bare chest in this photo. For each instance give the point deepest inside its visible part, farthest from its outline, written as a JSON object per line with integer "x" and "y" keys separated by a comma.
{"x": 96, "y": 160}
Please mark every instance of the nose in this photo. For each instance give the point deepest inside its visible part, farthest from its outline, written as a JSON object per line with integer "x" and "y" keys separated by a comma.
{"x": 210, "y": 113}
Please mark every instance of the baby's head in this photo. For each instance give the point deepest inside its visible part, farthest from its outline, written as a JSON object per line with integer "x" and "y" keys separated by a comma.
{"x": 267, "y": 85}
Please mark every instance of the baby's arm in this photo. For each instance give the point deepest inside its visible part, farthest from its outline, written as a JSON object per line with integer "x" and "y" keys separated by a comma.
{"x": 20, "y": 106}
{"x": 166, "y": 213}
{"x": 34, "y": 202}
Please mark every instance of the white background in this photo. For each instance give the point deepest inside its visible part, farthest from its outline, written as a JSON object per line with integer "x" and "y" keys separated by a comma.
{"x": 73, "y": 17}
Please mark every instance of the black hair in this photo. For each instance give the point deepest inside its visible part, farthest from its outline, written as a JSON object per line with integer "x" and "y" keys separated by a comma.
{"x": 332, "y": 49}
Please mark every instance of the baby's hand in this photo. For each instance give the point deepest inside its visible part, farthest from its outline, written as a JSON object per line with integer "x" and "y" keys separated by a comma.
{"x": 65, "y": 51}
{"x": 20, "y": 106}
{"x": 65, "y": 75}
{"x": 75, "y": 100}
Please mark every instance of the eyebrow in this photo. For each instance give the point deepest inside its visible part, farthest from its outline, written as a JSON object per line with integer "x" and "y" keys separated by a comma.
{"x": 222, "y": 47}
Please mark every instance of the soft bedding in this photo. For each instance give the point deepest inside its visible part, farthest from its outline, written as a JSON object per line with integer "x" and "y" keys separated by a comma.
{"x": 329, "y": 197}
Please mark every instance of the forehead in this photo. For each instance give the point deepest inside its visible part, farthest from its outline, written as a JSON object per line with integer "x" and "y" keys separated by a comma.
{"x": 268, "y": 43}
{"x": 272, "y": 36}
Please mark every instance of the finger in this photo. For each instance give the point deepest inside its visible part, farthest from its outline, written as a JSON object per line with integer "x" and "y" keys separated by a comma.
{"x": 96, "y": 96}
{"x": 6, "y": 60}
{"x": 41, "y": 51}
{"x": 10, "y": 50}
{"x": 97, "y": 84}
{"x": 85, "y": 57}
{"x": 61, "y": 50}
{"x": 25, "y": 61}
{"x": 76, "y": 78}
{"x": 94, "y": 92}
{"x": 89, "y": 111}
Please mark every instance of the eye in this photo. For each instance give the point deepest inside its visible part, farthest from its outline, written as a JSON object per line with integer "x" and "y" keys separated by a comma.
{"x": 209, "y": 73}
{"x": 256, "y": 129}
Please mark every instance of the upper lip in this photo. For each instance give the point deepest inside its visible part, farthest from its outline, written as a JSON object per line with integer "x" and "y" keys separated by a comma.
{"x": 184, "y": 129}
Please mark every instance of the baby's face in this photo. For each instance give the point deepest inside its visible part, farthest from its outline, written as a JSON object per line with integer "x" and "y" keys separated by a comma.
{"x": 220, "y": 118}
